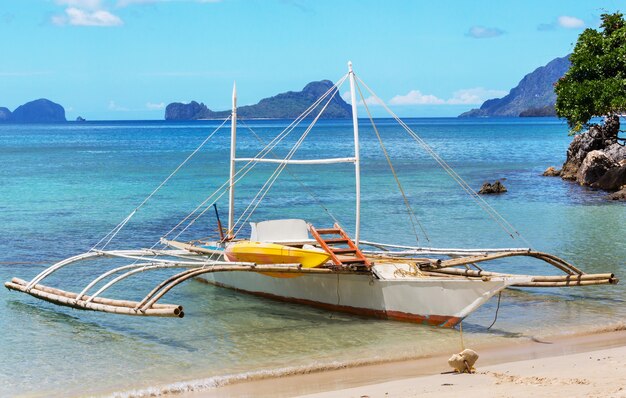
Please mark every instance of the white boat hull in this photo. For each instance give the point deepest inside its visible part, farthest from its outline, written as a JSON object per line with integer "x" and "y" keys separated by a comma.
{"x": 429, "y": 300}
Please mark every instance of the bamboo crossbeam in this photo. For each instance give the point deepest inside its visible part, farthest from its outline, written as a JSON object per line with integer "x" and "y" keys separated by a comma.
{"x": 391, "y": 259}
{"x": 548, "y": 258}
{"x": 441, "y": 250}
{"x": 171, "y": 282}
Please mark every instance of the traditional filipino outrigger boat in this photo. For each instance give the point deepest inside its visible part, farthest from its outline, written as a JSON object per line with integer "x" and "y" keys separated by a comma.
{"x": 292, "y": 260}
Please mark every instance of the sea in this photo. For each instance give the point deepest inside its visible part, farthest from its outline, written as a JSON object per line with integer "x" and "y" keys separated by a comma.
{"x": 63, "y": 187}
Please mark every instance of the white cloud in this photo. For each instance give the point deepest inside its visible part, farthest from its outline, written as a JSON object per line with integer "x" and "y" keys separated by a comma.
{"x": 370, "y": 101}
{"x": 82, "y": 4}
{"x": 566, "y": 21}
{"x": 481, "y": 32}
{"x": 78, "y": 17}
{"x": 155, "y": 106}
{"x": 85, "y": 13}
{"x": 126, "y": 3}
{"x": 476, "y": 95}
{"x": 96, "y": 12}
{"x": 115, "y": 107}
{"x": 415, "y": 97}
{"x": 468, "y": 96}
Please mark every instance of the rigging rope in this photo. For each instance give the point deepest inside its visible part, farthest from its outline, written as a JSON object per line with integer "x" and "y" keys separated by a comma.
{"x": 412, "y": 215}
{"x": 251, "y": 163}
{"x": 248, "y": 167}
{"x": 295, "y": 177}
{"x": 497, "y": 309}
{"x": 270, "y": 182}
{"x": 497, "y": 217}
{"x": 123, "y": 223}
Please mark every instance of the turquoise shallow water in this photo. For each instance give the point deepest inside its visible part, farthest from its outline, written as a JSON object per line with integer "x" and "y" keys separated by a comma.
{"x": 63, "y": 187}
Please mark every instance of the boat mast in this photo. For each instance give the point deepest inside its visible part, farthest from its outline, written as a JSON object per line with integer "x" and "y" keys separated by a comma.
{"x": 233, "y": 148}
{"x": 357, "y": 161}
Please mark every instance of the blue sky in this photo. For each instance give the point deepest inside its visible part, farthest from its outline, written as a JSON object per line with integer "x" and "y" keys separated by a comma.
{"x": 127, "y": 59}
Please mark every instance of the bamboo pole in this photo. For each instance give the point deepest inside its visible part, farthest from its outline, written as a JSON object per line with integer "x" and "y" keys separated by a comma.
{"x": 583, "y": 277}
{"x": 81, "y": 304}
{"x": 539, "y": 278}
{"x": 538, "y": 281}
{"x": 97, "y": 300}
{"x": 610, "y": 281}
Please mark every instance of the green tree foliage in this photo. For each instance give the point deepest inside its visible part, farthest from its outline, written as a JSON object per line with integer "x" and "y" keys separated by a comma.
{"x": 595, "y": 85}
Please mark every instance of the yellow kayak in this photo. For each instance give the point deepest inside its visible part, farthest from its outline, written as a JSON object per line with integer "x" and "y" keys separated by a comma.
{"x": 272, "y": 253}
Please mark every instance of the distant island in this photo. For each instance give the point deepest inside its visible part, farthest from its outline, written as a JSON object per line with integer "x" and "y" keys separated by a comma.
{"x": 38, "y": 111}
{"x": 533, "y": 96}
{"x": 287, "y": 105}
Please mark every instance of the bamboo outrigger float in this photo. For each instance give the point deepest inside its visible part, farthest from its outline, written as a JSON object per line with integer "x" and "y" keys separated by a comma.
{"x": 428, "y": 285}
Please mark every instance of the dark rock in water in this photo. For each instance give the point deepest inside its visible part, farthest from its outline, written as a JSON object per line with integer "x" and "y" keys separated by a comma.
{"x": 619, "y": 195}
{"x": 551, "y": 172}
{"x": 80, "y": 119}
{"x": 488, "y": 188}
{"x": 612, "y": 180}
{"x": 39, "y": 111}
{"x": 5, "y": 115}
{"x": 595, "y": 165}
{"x": 533, "y": 96}
{"x": 287, "y": 105}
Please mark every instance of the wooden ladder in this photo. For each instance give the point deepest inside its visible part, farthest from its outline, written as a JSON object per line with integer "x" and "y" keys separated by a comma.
{"x": 349, "y": 256}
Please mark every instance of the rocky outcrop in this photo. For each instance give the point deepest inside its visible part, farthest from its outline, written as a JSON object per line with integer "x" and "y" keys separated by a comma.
{"x": 5, "y": 114}
{"x": 619, "y": 195}
{"x": 190, "y": 111}
{"x": 617, "y": 152}
{"x": 38, "y": 111}
{"x": 551, "y": 172}
{"x": 287, "y": 105}
{"x": 595, "y": 165}
{"x": 612, "y": 180}
{"x": 597, "y": 138}
{"x": 533, "y": 96}
{"x": 488, "y": 188}
{"x": 544, "y": 111}
{"x": 596, "y": 158}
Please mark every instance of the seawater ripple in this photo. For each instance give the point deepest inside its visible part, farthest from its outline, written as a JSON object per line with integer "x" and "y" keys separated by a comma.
{"x": 65, "y": 186}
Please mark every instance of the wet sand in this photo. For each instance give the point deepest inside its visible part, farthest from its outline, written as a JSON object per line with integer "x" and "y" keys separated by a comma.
{"x": 600, "y": 373}
{"x": 592, "y": 365}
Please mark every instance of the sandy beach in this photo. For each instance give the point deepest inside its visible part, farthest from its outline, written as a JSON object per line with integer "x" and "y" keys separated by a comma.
{"x": 591, "y": 365}
{"x": 600, "y": 373}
